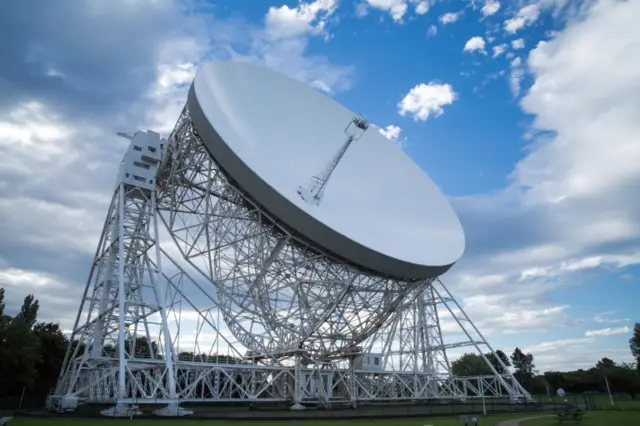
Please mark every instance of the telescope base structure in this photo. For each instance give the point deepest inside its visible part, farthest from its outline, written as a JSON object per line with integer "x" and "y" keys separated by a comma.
{"x": 223, "y": 305}
{"x": 250, "y": 385}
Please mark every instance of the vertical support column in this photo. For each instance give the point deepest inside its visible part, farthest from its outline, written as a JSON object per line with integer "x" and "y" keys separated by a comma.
{"x": 160, "y": 293}
{"x": 98, "y": 339}
{"x": 417, "y": 344}
{"x": 352, "y": 383}
{"x": 122, "y": 367}
{"x": 298, "y": 382}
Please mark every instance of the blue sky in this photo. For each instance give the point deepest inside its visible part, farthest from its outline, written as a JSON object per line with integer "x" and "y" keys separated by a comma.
{"x": 524, "y": 113}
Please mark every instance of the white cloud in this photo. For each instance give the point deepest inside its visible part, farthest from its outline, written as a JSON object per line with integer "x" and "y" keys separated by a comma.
{"x": 556, "y": 345}
{"x": 422, "y": 8}
{"x": 450, "y": 18}
{"x": 19, "y": 283}
{"x": 490, "y": 7}
{"x": 516, "y": 75}
{"x": 566, "y": 99}
{"x": 607, "y": 331}
{"x": 13, "y": 277}
{"x": 473, "y": 44}
{"x": 426, "y": 100}
{"x": 282, "y": 45}
{"x": 499, "y": 50}
{"x": 490, "y": 316}
{"x": 31, "y": 131}
{"x": 518, "y": 44}
{"x": 305, "y": 19}
{"x": 432, "y": 31}
{"x": 391, "y": 132}
{"x": 604, "y": 317}
{"x": 362, "y": 10}
{"x": 395, "y": 8}
{"x": 573, "y": 354}
{"x": 525, "y": 16}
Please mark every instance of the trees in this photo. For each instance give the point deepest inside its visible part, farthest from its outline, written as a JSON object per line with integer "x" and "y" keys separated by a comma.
{"x": 634, "y": 344}
{"x": 605, "y": 364}
{"x": 29, "y": 311}
{"x": 1, "y": 304}
{"x": 493, "y": 359}
{"x": 53, "y": 346}
{"x": 523, "y": 366}
{"x": 624, "y": 378}
{"x": 19, "y": 349}
{"x": 31, "y": 353}
{"x": 470, "y": 365}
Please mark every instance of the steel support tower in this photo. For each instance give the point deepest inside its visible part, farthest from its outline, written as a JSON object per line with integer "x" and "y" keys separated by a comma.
{"x": 198, "y": 295}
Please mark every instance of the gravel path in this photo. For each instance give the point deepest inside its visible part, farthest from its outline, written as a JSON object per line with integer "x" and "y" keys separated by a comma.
{"x": 517, "y": 422}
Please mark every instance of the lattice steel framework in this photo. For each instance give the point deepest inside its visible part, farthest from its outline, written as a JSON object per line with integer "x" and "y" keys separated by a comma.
{"x": 235, "y": 307}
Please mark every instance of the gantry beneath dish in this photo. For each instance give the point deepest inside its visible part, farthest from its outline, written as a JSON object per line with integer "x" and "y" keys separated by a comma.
{"x": 234, "y": 307}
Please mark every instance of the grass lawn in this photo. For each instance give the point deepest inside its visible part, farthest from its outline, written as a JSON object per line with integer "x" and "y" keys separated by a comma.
{"x": 601, "y": 402}
{"x": 595, "y": 418}
{"x": 434, "y": 421}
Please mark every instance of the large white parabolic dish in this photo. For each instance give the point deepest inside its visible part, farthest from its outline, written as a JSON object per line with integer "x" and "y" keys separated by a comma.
{"x": 271, "y": 134}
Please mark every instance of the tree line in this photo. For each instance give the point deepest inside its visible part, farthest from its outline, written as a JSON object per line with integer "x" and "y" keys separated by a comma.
{"x": 621, "y": 377}
{"x": 32, "y": 352}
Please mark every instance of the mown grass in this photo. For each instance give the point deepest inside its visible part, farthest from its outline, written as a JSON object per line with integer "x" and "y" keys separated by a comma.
{"x": 490, "y": 420}
{"x": 595, "y": 418}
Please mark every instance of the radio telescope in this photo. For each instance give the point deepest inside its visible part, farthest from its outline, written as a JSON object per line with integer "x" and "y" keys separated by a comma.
{"x": 274, "y": 248}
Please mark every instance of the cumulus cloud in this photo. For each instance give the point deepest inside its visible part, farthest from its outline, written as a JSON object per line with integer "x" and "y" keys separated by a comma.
{"x": 391, "y": 132}
{"x": 490, "y": 7}
{"x": 427, "y": 100}
{"x": 473, "y": 44}
{"x": 305, "y": 19}
{"x": 450, "y": 18}
{"x": 525, "y": 16}
{"x": 499, "y": 50}
{"x": 282, "y": 45}
{"x": 395, "y": 8}
{"x": 518, "y": 44}
{"x": 432, "y": 31}
{"x": 422, "y": 7}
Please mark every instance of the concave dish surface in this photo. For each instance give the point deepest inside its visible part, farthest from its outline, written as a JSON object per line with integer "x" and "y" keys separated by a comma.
{"x": 271, "y": 134}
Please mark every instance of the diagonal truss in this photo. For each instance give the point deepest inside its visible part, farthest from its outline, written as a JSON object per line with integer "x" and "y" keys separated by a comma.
{"x": 198, "y": 295}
